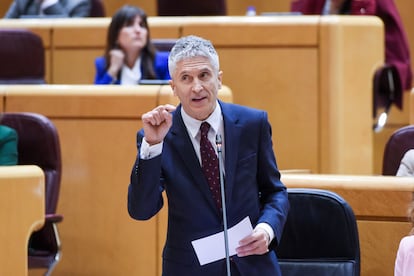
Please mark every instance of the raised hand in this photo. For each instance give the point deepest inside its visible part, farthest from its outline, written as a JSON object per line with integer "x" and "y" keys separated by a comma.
{"x": 157, "y": 122}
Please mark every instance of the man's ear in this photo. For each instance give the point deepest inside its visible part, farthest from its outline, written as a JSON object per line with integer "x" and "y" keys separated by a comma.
{"x": 220, "y": 78}
{"x": 171, "y": 82}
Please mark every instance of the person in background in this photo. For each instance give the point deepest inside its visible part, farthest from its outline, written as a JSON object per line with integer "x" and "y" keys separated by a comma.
{"x": 129, "y": 54}
{"x": 172, "y": 148}
{"x": 397, "y": 52}
{"x": 44, "y": 8}
{"x": 191, "y": 7}
{"x": 8, "y": 146}
{"x": 406, "y": 167}
{"x": 404, "y": 262}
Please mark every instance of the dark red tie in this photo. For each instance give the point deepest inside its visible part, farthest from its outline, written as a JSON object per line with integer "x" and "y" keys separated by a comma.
{"x": 209, "y": 163}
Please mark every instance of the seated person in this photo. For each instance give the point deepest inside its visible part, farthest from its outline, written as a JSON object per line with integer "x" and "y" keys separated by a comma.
{"x": 45, "y": 8}
{"x": 129, "y": 55}
{"x": 397, "y": 52}
{"x": 404, "y": 263}
{"x": 8, "y": 146}
{"x": 406, "y": 167}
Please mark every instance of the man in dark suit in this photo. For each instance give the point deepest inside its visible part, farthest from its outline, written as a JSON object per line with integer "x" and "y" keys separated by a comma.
{"x": 58, "y": 8}
{"x": 170, "y": 158}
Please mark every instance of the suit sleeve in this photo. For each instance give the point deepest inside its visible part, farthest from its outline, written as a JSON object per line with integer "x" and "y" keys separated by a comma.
{"x": 145, "y": 188}
{"x": 101, "y": 74}
{"x": 75, "y": 8}
{"x": 273, "y": 193}
{"x": 13, "y": 11}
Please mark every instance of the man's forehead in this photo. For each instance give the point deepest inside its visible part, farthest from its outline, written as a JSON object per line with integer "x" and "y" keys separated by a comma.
{"x": 194, "y": 64}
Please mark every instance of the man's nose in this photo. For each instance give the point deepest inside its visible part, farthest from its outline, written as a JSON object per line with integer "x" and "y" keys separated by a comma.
{"x": 197, "y": 87}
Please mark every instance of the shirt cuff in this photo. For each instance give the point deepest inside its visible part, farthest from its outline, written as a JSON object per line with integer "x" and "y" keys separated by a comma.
{"x": 47, "y": 3}
{"x": 147, "y": 151}
{"x": 268, "y": 229}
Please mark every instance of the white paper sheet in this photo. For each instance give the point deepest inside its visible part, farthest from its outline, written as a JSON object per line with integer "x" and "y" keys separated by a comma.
{"x": 211, "y": 248}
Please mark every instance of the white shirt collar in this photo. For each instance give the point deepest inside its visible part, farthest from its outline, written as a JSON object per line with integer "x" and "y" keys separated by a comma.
{"x": 193, "y": 125}
{"x": 131, "y": 76}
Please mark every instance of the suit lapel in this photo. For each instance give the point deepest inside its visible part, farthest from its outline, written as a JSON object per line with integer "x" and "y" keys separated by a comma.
{"x": 181, "y": 142}
{"x": 232, "y": 130}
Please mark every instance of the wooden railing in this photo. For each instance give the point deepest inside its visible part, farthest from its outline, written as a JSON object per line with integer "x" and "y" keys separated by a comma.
{"x": 22, "y": 211}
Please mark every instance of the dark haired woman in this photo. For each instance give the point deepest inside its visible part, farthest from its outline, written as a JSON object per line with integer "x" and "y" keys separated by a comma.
{"x": 129, "y": 54}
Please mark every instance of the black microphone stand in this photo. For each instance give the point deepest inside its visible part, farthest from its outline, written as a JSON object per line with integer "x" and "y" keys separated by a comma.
{"x": 223, "y": 201}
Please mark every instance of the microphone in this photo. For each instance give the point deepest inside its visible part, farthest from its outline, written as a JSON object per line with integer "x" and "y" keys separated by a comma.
{"x": 219, "y": 144}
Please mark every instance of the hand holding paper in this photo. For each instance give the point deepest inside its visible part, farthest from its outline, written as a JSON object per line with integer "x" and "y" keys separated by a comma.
{"x": 211, "y": 248}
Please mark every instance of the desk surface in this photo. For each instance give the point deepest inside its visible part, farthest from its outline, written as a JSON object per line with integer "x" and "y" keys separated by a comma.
{"x": 22, "y": 211}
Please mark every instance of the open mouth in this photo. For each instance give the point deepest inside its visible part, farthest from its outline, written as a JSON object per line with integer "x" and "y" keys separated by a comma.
{"x": 199, "y": 99}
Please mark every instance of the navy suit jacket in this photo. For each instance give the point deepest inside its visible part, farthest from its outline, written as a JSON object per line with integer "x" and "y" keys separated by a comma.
{"x": 160, "y": 67}
{"x": 253, "y": 188}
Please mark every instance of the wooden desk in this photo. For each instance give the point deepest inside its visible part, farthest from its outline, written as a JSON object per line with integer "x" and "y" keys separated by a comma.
{"x": 72, "y": 44}
{"x": 97, "y": 126}
{"x": 380, "y": 204}
{"x": 22, "y": 211}
{"x": 313, "y": 74}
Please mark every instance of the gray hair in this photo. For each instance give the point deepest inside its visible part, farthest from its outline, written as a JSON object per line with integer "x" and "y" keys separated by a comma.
{"x": 189, "y": 47}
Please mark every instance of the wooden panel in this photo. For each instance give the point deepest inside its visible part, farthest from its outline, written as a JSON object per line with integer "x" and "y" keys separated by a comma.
{"x": 243, "y": 31}
{"x": 68, "y": 61}
{"x": 306, "y": 63}
{"x": 379, "y": 242}
{"x": 286, "y": 88}
{"x": 346, "y": 91}
{"x": 22, "y": 211}
{"x": 165, "y": 27}
{"x": 98, "y": 236}
{"x": 80, "y": 32}
{"x": 380, "y": 204}
{"x": 97, "y": 126}
{"x": 375, "y": 196}
{"x": 101, "y": 101}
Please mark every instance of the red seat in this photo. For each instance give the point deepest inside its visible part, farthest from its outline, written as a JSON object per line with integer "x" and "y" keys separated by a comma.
{"x": 22, "y": 57}
{"x": 397, "y": 145}
{"x": 38, "y": 144}
{"x": 97, "y": 9}
{"x": 191, "y": 7}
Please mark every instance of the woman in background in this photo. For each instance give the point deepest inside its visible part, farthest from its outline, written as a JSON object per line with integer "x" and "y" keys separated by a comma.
{"x": 404, "y": 263}
{"x": 406, "y": 167}
{"x": 129, "y": 55}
